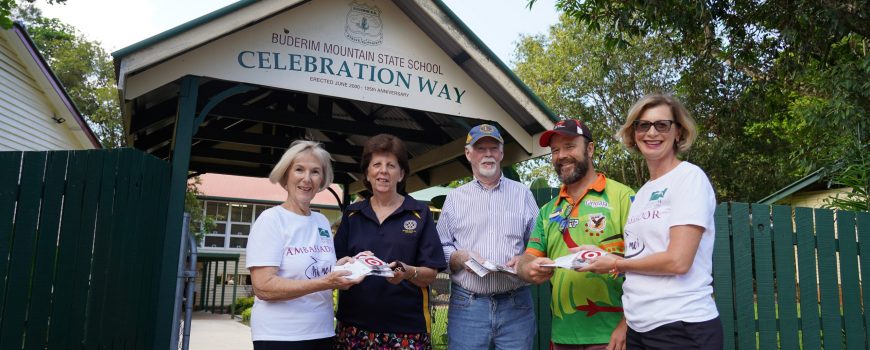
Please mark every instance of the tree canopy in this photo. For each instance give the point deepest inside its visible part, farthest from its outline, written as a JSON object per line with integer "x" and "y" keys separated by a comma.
{"x": 7, "y": 6}
{"x": 778, "y": 88}
{"x": 84, "y": 68}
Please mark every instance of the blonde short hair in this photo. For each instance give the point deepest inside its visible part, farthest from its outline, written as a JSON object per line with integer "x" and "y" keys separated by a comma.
{"x": 279, "y": 172}
{"x": 685, "y": 123}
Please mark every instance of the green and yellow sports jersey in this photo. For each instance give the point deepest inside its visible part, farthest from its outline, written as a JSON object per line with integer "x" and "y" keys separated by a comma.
{"x": 586, "y": 306}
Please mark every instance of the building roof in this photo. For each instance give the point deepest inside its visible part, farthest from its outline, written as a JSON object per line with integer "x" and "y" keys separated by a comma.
{"x": 252, "y": 189}
{"x": 63, "y": 104}
{"x": 798, "y": 185}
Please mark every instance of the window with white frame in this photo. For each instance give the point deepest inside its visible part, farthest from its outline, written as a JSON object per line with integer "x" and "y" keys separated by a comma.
{"x": 232, "y": 223}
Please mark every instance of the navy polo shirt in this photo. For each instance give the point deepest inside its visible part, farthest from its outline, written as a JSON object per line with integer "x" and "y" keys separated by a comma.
{"x": 407, "y": 235}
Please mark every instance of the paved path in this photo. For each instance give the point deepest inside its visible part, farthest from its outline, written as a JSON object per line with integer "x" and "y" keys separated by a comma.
{"x": 218, "y": 332}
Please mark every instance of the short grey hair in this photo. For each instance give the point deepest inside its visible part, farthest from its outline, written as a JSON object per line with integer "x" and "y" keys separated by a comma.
{"x": 279, "y": 172}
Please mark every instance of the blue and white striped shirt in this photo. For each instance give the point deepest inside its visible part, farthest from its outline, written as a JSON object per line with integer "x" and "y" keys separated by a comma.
{"x": 494, "y": 223}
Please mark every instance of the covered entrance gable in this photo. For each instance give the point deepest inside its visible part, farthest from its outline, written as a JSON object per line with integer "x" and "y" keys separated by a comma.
{"x": 334, "y": 71}
{"x": 228, "y": 92}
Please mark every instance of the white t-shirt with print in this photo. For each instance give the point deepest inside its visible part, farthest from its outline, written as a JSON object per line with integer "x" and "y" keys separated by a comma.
{"x": 683, "y": 196}
{"x": 301, "y": 247}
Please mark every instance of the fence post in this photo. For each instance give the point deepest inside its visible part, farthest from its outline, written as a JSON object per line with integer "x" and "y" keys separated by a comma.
{"x": 184, "y": 128}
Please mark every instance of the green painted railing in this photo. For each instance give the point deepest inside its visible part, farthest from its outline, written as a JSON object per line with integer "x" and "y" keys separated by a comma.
{"x": 763, "y": 256}
{"x": 80, "y": 232}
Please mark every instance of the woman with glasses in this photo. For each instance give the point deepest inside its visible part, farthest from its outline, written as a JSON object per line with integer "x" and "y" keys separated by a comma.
{"x": 667, "y": 294}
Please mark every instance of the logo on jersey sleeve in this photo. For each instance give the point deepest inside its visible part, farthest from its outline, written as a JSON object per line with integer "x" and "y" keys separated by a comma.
{"x": 323, "y": 232}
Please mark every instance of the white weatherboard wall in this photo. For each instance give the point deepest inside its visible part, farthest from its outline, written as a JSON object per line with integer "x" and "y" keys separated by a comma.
{"x": 28, "y": 103}
{"x": 361, "y": 50}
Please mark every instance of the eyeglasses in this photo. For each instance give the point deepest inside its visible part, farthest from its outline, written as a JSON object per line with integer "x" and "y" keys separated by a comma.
{"x": 642, "y": 126}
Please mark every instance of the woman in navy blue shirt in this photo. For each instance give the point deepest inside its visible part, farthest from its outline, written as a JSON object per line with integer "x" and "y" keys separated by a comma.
{"x": 388, "y": 313}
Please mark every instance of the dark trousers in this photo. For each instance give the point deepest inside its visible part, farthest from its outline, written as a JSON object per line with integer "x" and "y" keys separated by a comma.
{"x": 705, "y": 335}
{"x": 314, "y": 344}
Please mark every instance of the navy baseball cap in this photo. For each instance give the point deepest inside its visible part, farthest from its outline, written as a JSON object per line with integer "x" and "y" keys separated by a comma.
{"x": 568, "y": 127}
{"x": 481, "y": 131}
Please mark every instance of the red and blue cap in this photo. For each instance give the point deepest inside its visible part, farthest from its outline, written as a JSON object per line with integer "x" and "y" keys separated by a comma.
{"x": 568, "y": 127}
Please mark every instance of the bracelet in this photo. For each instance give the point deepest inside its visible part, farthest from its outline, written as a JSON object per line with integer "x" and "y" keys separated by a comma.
{"x": 415, "y": 274}
{"x": 616, "y": 266}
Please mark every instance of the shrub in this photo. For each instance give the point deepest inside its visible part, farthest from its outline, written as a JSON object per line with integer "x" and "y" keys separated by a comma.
{"x": 246, "y": 315}
{"x": 244, "y": 303}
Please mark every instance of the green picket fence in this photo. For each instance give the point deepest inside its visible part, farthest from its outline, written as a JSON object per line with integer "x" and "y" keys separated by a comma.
{"x": 763, "y": 256}
{"x": 80, "y": 235}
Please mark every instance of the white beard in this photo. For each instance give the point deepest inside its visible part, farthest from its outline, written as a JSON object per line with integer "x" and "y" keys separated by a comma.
{"x": 487, "y": 172}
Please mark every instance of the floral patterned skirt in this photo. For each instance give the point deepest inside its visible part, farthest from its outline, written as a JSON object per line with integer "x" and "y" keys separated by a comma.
{"x": 350, "y": 337}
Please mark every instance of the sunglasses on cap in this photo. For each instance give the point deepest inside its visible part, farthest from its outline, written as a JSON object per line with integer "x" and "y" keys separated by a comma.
{"x": 642, "y": 126}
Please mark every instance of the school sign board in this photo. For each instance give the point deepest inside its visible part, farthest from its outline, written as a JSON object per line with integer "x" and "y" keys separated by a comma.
{"x": 361, "y": 50}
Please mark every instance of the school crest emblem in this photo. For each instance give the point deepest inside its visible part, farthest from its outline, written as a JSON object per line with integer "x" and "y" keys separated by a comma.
{"x": 364, "y": 25}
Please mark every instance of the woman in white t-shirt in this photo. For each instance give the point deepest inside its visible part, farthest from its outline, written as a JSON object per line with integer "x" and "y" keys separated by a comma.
{"x": 667, "y": 294}
{"x": 290, "y": 254}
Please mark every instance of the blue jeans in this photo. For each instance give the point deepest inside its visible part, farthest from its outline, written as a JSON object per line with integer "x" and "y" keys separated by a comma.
{"x": 479, "y": 321}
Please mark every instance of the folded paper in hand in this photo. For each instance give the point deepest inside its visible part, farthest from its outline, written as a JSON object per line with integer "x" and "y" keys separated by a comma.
{"x": 577, "y": 260}
{"x": 366, "y": 265}
{"x": 485, "y": 267}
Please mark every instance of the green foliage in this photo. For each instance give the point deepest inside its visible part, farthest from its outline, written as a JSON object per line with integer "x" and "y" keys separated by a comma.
{"x": 856, "y": 176}
{"x": 579, "y": 77}
{"x": 84, "y": 68}
{"x": 540, "y": 183}
{"x": 246, "y": 315}
{"x": 459, "y": 182}
{"x": 538, "y": 170}
{"x": 6, "y": 7}
{"x": 244, "y": 303}
{"x": 334, "y": 300}
{"x": 200, "y": 223}
{"x": 5, "y": 12}
{"x": 778, "y": 88}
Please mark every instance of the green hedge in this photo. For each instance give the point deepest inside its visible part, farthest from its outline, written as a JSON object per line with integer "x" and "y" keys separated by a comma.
{"x": 246, "y": 315}
{"x": 244, "y": 303}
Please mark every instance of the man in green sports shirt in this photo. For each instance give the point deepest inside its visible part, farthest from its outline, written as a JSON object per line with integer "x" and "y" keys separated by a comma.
{"x": 590, "y": 209}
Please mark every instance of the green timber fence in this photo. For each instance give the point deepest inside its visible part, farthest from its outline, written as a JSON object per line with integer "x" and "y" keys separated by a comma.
{"x": 763, "y": 255}
{"x": 81, "y": 235}
{"x": 791, "y": 278}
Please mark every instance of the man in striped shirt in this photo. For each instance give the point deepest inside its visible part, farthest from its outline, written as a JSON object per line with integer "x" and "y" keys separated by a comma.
{"x": 488, "y": 220}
